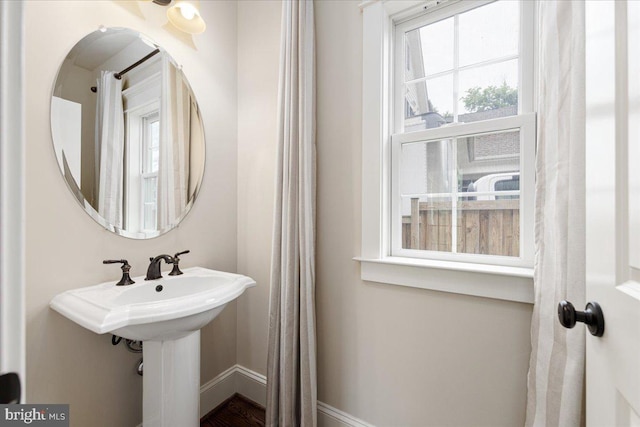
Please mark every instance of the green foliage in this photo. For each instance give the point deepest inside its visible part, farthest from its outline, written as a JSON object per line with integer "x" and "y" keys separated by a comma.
{"x": 490, "y": 98}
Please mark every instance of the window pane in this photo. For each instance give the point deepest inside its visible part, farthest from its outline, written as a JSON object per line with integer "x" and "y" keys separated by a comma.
{"x": 150, "y": 189}
{"x": 488, "y": 163}
{"x": 429, "y": 49}
{"x": 155, "y": 133}
{"x": 154, "y": 157}
{"x": 426, "y": 224}
{"x": 428, "y": 104}
{"x": 150, "y": 202}
{"x": 150, "y": 217}
{"x": 489, "y": 32}
{"x": 151, "y": 146}
{"x": 426, "y": 168}
{"x": 489, "y": 227}
{"x": 488, "y": 92}
{"x": 154, "y": 148}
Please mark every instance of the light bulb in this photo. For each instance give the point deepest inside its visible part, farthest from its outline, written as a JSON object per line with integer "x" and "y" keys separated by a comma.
{"x": 187, "y": 11}
{"x": 185, "y": 16}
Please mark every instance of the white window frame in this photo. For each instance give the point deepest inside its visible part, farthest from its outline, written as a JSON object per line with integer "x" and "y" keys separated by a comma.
{"x": 142, "y": 100}
{"x": 507, "y": 281}
{"x": 144, "y": 161}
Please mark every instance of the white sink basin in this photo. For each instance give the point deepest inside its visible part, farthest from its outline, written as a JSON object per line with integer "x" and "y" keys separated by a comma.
{"x": 167, "y": 315}
{"x": 161, "y": 309}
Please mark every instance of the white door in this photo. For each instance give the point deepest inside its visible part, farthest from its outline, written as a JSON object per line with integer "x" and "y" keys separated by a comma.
{"x": 613, "y": 210}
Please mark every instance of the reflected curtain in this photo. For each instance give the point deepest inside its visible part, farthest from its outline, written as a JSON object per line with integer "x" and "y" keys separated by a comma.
{"x": 556, "y": 370}
{"x": 175, "y": 142}
{"x": 110, "y": 136}
{"x": 291, "y": 364}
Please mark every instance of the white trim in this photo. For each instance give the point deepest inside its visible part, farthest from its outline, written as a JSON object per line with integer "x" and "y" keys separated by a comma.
{"x": 458, "y": 130}
{"x": 454, "y": 266}
{"x": 411, "y": 21}
{"x": 217, "y": 390}
{"x": 379, "y": 18}
{"x": 236, "y": 379}
{"x": 148, "y": 84}
{"x": 375, "y": 96}
{"x": 12, "y": 190}
{"x": 343, "y": 418}
{"x": 395, "y": 6}
{"x": 366, "y": 3}
{"x": 528, "y": 74}
{"x": 253, "y": 385}
{"x": 252, "y": 375}
{"x": 487, "y": 281}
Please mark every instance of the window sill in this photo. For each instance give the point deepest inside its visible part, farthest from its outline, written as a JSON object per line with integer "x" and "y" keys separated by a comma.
{"x": 488, "y": 281}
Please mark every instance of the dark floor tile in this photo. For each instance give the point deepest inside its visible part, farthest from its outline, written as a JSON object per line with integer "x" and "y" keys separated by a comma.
{"x": 237, "y": 411}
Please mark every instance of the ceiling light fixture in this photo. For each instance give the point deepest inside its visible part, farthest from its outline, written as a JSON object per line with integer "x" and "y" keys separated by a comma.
{"x": 185, "y": 16}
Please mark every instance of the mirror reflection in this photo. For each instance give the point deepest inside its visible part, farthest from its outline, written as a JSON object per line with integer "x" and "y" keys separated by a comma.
{"x": 127, "y": 133}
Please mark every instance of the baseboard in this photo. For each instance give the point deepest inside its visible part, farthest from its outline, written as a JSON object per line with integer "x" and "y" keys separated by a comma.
{"x": 238, "y": 379}
{"x": 251, "y": 384}
{"x": 328, "y": 416}
{"x": 216, "y": 391}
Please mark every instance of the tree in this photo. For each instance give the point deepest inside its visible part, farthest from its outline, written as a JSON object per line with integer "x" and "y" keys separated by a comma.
{"x": 490, "y": 98}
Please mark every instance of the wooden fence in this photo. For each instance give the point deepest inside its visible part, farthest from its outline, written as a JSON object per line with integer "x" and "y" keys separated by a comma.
{"x": 490, "y": 227}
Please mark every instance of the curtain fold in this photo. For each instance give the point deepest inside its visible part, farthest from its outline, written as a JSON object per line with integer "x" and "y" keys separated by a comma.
{"x": 556, "y": 369}
{"x": 110, "y": 136}
{"x": 175, "y": 143}
{"x": 291, "y": 364}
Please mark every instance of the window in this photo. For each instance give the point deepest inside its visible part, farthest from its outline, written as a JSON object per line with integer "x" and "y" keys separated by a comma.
{"x": 143, "y": 157}
{"x": 142, "y": 124}
{"x": 142, "y": 136}
{"x": 150, "y": 157}
{"x": 448, "y": 146}
{"x": 461, "y": 132}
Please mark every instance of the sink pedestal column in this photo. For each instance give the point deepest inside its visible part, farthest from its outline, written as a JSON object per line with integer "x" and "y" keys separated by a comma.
{"x": 171, "y": 382}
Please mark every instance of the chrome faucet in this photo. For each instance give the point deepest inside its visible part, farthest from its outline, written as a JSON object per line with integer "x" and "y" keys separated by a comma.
{"x": 153, "y": 272}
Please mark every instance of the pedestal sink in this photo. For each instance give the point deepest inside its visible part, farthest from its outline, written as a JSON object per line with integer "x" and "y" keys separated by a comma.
{"x": 166, "y": 314}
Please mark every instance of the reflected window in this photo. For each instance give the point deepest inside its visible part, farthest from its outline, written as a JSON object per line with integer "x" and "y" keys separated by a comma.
{"x": 150, "y": 159}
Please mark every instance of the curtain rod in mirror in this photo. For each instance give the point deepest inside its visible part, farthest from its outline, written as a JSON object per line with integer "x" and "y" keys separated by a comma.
{"x": 119, "y": 75}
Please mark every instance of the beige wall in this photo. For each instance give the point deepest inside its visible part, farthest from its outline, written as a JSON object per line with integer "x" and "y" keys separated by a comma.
{"x": 258, "y": 56}
{"x": 386, "y": 354}
{"x": 65, "y": 247}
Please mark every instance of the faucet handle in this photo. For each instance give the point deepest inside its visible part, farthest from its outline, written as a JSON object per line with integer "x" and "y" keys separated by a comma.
{"x": 181, "y": 253}
{"x": 176, "y": 259}
{"x": 116, "y": 261}
{"x": 126, "y": 279}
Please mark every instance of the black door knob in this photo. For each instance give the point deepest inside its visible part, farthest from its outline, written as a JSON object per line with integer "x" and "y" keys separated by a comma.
{"x": 9, "y": 388}
{"x": 591, "y": 316}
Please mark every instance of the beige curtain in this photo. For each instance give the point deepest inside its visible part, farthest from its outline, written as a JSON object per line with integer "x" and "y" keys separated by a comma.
{"x": 175, "y": 143}
{"x": 556, "y": 371}
{"x": 291, "y": 365}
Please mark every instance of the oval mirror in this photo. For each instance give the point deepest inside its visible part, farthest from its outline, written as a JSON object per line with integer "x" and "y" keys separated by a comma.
{"x": 127, "y": 133}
